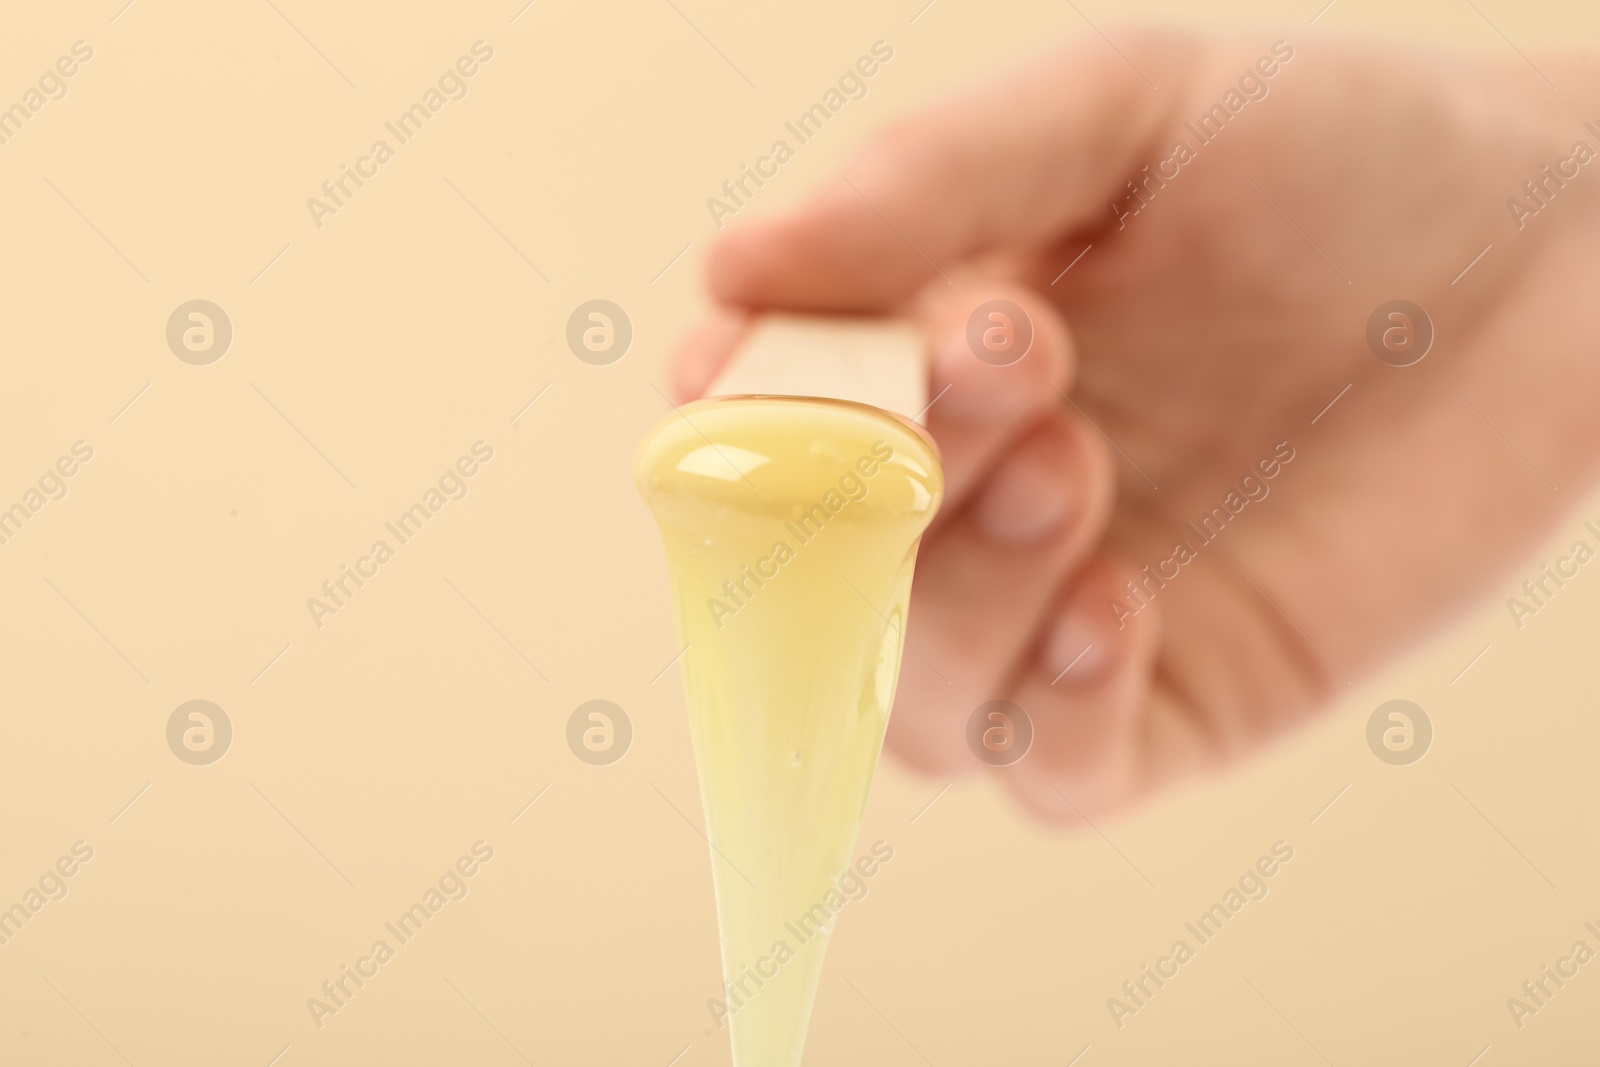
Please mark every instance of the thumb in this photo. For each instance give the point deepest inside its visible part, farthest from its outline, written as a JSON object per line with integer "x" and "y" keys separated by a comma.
{"x": 1016, "y": 163}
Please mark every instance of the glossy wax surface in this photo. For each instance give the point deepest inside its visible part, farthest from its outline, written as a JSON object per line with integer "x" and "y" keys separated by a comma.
{"x": 791, "y": 528}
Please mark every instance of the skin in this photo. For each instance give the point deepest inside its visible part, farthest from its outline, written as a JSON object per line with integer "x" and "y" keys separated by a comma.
{"x": 1200, "y": 335}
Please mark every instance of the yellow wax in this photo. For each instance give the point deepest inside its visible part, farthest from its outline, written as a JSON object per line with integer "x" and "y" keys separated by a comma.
{"x": 791, "y": 527}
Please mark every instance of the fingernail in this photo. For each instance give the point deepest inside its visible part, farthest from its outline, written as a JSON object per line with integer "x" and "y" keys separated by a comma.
{"x": 977, "y": 391}
{"x": 1079, "y": 649}
{"x": 1023, "y": 504}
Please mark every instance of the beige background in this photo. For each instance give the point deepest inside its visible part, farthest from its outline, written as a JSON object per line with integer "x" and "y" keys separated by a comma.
{"x": 376, "y": 750}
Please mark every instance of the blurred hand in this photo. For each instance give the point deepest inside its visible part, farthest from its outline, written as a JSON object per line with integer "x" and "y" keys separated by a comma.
{"x": 1198, "y": 340}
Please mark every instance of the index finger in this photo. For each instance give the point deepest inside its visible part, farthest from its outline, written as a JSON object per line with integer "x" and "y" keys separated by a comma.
{"x": 1035, "y": 155}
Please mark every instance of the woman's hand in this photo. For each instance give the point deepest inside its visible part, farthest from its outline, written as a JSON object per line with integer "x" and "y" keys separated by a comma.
{"x": 1160, "y": 540}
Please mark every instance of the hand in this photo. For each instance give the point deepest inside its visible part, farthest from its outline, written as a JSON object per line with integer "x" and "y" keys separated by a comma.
{"x": 1185, "y": 357}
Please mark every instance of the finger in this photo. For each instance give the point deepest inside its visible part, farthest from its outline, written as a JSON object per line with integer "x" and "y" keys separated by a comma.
{"x": 1038, "y": 153}
{"x": 702, "y": 351}
{"x": 983, "y": 584}
{"x": 1084, "y": 695}
{"x": 1001, "y": 358}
